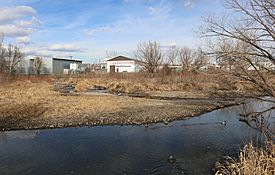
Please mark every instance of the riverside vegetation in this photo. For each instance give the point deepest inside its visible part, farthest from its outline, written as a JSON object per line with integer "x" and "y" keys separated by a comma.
{"x": 31, "y": 102}
{"x": 242, "y": 38}
{"x": 36, "y": 102}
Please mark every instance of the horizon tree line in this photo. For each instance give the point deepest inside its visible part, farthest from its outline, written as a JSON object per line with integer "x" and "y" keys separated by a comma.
{"x": 150, "y": 56}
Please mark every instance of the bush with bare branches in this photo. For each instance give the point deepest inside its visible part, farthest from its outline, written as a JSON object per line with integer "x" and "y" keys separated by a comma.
{"x": 248, "y": 36}
{"x": 150, "y": 56}
{"x": 10, "y": 58}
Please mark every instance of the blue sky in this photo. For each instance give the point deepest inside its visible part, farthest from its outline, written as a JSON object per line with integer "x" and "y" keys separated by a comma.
{"x": 86, "y": 29}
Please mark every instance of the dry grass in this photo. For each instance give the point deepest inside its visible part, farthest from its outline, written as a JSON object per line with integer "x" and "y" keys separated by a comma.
{"x": 34, "y": 98}
{"x": 6, "y": 78}
{"x": 205, "y": 82}
{"x": 28, "y": 93}
{"x": 252, "y": 161}
{"x": 32, "y": 103}
{"x": 37, "y": 102}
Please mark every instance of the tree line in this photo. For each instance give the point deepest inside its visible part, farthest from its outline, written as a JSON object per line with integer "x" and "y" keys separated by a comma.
{"x": 151, "y": 57}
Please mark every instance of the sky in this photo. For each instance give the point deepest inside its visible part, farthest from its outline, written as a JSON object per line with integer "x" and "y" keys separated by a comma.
{"x": 87, "y": 29}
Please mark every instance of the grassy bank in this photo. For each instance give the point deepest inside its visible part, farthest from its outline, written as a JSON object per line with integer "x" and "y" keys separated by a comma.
{"x": 34, "y": 102}
{"x": 202, "y": 84}
{"x": 252, "y": 161}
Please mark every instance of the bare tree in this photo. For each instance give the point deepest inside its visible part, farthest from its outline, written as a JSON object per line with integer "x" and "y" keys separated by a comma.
{"x": 186, "y": 56}
{"x": 10, "y": 57}
{"x": 13, "y": 58}
{"x": 225, "y": 51}
{"x": 250, "y": 37}
{"x": 247, "y": 40}
{"x": 172, "y": 55}
{"x": 200, "y": 59}
{"x": 37, "y": 65}
{"x": 149, "y": 56}
{"x": 3, "y": 63}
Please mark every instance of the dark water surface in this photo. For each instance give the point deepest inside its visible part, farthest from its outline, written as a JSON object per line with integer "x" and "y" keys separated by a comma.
{"x": 183, "y": 147}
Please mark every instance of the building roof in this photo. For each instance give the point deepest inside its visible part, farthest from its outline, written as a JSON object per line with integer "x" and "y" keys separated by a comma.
{"x": 67, "y": 59}
{"x": 121, "y": 58}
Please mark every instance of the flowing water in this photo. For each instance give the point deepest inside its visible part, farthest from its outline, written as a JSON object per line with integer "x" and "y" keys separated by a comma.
{"x": 190, "y": 146}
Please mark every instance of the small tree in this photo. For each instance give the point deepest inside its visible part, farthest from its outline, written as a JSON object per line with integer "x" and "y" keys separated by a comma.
{"x": 3, "y": 62}
{"x": 172, "y": 55}
{"x": 200, "y": 59}
{"x": 149, "y": 56}
{"x": 10, "y": 59}
{"x": 186, "y": 56}
{"x": 13, "y": 57}
{"x": 37, "y": 65}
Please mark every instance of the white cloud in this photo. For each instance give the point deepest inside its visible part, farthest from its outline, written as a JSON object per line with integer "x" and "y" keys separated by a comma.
{"x": 23, "y": 40}
{"x": 189, "y": 3}
{"x": 33, "y": 22}
{"x": 30, "y": 52}
{"x": 65, "y": 48}
{"x": 37, "y": 50}
{"x": 14, "y": 21}
{"x": 11, "y": 30}
{"x": 90, "y": 31}
{"x": 9, "y": 14}
{"x": 55, "y": 50}
{"x": 160, "y": 11}
{"x": 167, "y": 45}
{"x": 103, "y": 29}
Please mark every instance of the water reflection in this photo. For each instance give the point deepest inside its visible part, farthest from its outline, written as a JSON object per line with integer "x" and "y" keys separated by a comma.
{"x": 259, "y": 116}
{"x": 24, "y": 135}
{"x": 182, "y": 147}
{"x": 3, "y": 138}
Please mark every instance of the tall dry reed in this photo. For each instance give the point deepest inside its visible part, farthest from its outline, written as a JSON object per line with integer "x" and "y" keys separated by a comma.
{"x": 252, "y": 161}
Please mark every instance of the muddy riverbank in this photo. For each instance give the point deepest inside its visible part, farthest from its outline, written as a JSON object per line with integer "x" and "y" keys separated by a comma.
{"x": 38, "y": 106}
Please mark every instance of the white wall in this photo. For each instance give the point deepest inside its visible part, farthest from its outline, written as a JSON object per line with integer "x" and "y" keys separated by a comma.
{"x": 46, "y": 65}
{"x": 122, "y": 66}
{"x": 73, "y": 66}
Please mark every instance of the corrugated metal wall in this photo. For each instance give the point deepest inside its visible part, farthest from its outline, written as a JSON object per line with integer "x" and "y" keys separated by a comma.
{"x": 60, "y": 65}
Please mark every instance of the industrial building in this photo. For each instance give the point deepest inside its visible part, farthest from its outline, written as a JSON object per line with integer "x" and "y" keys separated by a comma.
{"x": 57, "y": 66}
{"x": 122, "y": 64}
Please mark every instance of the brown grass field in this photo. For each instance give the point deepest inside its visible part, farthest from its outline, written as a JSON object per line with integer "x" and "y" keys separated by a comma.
{"x": 202, "y": 82}
{"x": 32, "y": 102}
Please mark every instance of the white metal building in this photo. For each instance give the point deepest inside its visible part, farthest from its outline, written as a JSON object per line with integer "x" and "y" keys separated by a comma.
{"x": 56, "y": 66}
{"x": 122, "y": 64}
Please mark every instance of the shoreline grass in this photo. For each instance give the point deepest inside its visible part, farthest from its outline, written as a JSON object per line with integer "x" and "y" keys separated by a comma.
{"x": 252, "y": 161}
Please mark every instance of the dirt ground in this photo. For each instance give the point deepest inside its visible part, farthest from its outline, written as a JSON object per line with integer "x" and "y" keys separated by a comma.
{"x": 37, "y": 105}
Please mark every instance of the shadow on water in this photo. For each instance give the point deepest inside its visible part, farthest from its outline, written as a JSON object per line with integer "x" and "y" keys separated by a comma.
{"x": 182, "y": 147}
